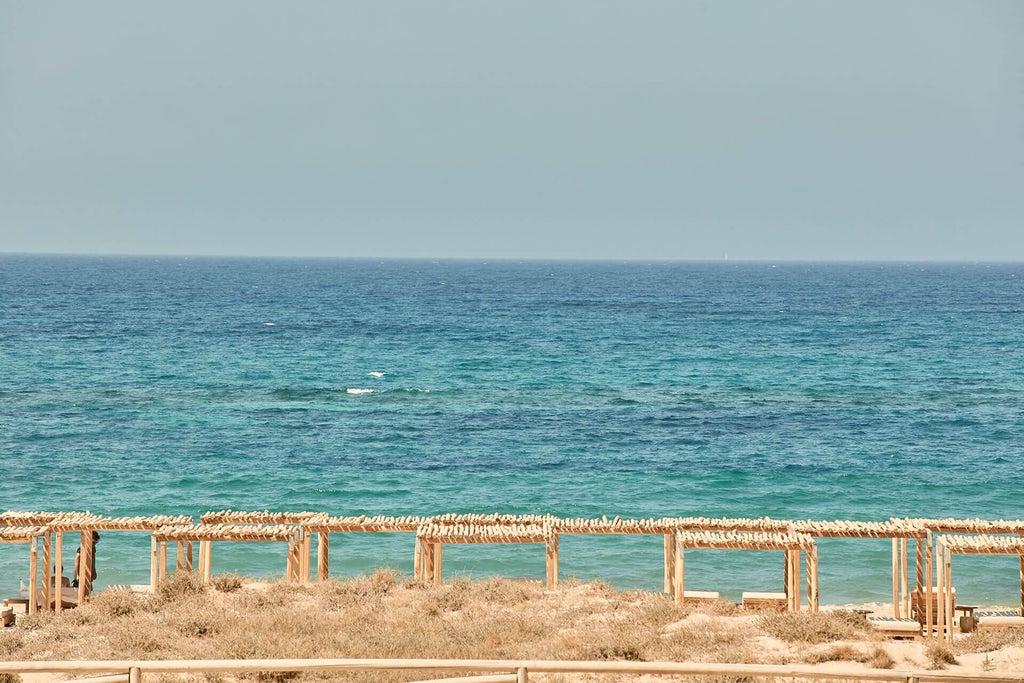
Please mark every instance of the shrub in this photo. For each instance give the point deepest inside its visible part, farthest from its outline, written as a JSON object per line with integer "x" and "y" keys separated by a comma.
{"x": 814, "y": 627}
{"x": 179, "y": 586}
{"x": 228, "y": 583}
{"x": 939, "y": 656}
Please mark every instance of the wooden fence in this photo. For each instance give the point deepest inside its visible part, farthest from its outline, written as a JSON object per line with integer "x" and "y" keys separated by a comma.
{"x": 485, "y": 671}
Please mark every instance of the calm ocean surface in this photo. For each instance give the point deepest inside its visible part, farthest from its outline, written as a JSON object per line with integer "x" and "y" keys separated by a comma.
{"x": 135, "y": 386}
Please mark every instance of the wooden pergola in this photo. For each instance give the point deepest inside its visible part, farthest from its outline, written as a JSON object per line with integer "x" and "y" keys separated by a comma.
{"x": 791, "y": 544}
{"x": 896, "y": 530}
{"x": 431, "y": 539}
{"x": 301, "y": 520}
{"x": 206, "y": 534}
{"x": 949, "y": 545}
{"x": 31, "y": 535}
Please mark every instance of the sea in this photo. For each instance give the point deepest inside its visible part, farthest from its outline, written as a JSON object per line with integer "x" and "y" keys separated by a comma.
{"x": 181, "y": 385}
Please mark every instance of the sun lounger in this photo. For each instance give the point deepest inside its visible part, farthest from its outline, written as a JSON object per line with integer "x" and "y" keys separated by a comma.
{"x": 893, "y": 627}
{"x": 701, "y": 597}
{"x": 998, "y": 618}
{"x": 766, "y": 601}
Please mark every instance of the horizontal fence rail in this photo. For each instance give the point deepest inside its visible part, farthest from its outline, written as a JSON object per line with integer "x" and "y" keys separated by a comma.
{"x": 504, "y": 671}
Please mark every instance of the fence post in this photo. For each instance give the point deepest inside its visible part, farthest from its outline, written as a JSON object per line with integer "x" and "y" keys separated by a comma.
{"x": 521, "y": 675}
{"x": 134, "y": 675}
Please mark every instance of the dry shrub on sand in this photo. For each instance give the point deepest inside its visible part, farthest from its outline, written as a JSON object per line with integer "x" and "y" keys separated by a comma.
{"x": 815, "y": 627}
{"x": 989, "y": 640}
{"x": 939, "y": 656}
{"x": 876, "y": 657}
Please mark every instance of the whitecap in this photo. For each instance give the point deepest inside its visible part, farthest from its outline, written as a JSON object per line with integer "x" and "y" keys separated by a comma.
{"x": 376, "y": 373}
{"x": 359, "y": 391}
{"x": 269, "y": 324}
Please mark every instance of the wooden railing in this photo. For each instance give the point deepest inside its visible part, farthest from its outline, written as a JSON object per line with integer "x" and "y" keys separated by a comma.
{"x": 487, "y": 671}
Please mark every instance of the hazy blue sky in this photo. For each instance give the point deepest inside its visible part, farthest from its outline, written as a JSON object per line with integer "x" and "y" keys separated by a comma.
{"x": 575, "y": 129}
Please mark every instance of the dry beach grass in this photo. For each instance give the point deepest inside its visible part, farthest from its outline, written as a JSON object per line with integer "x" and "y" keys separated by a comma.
{"x": 386, "y": 615}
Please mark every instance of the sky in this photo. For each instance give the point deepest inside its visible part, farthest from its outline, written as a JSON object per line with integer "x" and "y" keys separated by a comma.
{"x": 555, "y": 129}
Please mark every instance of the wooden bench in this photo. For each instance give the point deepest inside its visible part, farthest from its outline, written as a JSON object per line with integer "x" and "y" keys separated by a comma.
{"x": 998, "y": 619}
{"x": 893, "y": 627}
{"x": 701, "y": 597}
{"x": 766, "y": 601}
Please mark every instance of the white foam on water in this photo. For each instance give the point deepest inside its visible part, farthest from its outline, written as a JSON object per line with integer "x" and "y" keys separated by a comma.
{"x": 376, "y": 373}
{"x": 269, "y": 324}
{"x": 359, "y": 391}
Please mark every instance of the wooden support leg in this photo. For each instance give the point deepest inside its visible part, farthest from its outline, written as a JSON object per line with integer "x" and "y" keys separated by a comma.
{"x": 206, "y": 560}
{"x": 322, "y": 556}
{"x": 49, "y": 578}
{"x": 180, "y": 557}
{"x": 438, "y": 559}
{"x": 33, "y": 576}
{"x": 895, "y": 577}
{"x": 163, "y": 560}
{"x": 904, "y": 578}
{"x": 929, "y": 589}
{"x": 812, "y": 578}
{"x": 670, "y": 552}
{"x": 551, "y": 564}
{"x": 678, "y": 577}
{"x": 58, "y": 560}
{"x": 188, "y": 555}
{"x": 85, "y": 565}
{"x": 949, "y": 595}
{"x": 154, "y": 561}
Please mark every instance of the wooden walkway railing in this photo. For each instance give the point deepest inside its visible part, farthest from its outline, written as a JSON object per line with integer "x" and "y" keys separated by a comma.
{"x": 487, "y": 671}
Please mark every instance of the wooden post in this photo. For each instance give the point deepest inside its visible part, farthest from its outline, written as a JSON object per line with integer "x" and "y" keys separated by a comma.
{"x": 929, "y": 555}
{"x": 188, "y": 555}
{"x": 322, "y": 556}
{"x": 521, "y": 675}
{"x": 670, "y": 551}
{"x": 786, "y": 566}
{"x": 291, "y": 572}
{"x": 85, "y": 565}
{"x": 919, "y": 568}
{"x": 941, "y": 598}
{"x": 678, "y": 579}
{"x": 794, "y": 580}
{"x": 58, "y": 560}
{"x": 948, "y": 561}
{"x": 417, "y": 560}
{"x": 896, "y": 578}
{"x": 551, "y": 561}
{"x": 154, "y": 571}
{"x": 135, "y": 675}
{"x": 206, "y": 560}
{"x": 180, "y": 557}
{"x": 1022, "y": 582}
{"x": 33, "y": 575}
{"x": 163, "y": 560}
{"x": 49, "y": 578}
{"x": 812, "y": 578}
{"x": 438, "y": 558}
{"x": 905, "y": 597}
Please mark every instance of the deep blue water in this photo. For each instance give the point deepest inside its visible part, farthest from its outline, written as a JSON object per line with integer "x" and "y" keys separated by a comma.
{"x": 181, "y": 385}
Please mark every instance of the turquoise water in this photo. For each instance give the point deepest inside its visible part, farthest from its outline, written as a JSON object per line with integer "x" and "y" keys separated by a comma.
{"x": 181, "y": 385}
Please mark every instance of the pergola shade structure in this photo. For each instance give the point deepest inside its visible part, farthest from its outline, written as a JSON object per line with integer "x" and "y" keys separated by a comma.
{"x": 948, "y": 546}
{"x": 206, "y": 534}
{"x": 897, "y": 530}
{"x": 791, "y": 544}
{"x": 431, "y": 539}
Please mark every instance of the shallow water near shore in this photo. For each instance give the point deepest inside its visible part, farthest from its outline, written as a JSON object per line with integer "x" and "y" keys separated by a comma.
{"x": 136, "y": 386}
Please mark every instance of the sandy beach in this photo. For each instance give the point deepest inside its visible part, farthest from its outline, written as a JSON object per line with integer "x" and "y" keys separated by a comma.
{"x": 388, "y": 615}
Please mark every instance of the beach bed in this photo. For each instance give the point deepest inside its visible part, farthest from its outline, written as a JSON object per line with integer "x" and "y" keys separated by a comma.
{"x": 895, "y": 627}
{"x": 777, "y": 602}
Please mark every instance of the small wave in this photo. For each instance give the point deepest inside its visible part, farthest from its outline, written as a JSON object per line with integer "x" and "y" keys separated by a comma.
{"x": 352, "y": 390}
{"x": 269, "y": 324}
{"x": 376, "y": 373}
